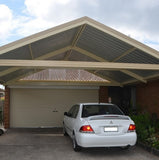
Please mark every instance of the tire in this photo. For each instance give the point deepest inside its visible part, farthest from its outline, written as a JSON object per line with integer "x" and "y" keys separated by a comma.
{"x": 126, "y": 147}
{"x": 64, "y": 131}
{"x": 1, "y": 132}
{"x": 76, "y": 147}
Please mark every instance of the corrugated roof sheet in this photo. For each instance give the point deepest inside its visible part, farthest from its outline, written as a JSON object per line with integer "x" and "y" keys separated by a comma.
{"x": 53, "y": 43}
{"x": 102, "y": 44}
{"x": 138, "y": 56}
{"x": 116, "y": 75}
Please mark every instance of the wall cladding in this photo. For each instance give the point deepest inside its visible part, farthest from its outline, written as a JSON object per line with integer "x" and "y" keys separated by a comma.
{"x": 103, "y": 94}
{"x": 147, "y": 96}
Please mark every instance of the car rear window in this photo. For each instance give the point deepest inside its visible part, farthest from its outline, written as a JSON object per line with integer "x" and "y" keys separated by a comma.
{"x": 92, "y": 110}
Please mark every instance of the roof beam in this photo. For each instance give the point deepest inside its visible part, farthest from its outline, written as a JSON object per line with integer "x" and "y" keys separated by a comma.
{"x": 78, "y": 35}
{"x": 68, "y": 54}
{"x": 77, "y": 64}
{"x": 134, "y": 75}
{"x": 53, "y": 84}
{"x": 89, "y": 54}
{"x": 54, "y": 53}
{"x": 146, "y": 78}
{"x": 152, "y": 76}
{"x": 129, "y": 82}
{"x": 75, "y": 40}
{"x": 7, "y": 71}
{"x": 48, "y": 55}
{"x": 31, "y": 52}
{"x": 116, "y": 83}
{"x": 124, "y": 54}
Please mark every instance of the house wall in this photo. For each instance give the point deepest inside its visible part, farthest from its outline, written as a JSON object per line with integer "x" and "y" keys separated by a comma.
{"x": 103, "y": 94}
{"x": 147, "y": 97}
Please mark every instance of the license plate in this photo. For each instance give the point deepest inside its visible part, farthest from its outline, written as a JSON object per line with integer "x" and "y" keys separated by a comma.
{"x": 110, "y": 129}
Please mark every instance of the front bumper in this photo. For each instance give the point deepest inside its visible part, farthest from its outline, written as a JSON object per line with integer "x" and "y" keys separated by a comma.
{"x": 94, "y": 140}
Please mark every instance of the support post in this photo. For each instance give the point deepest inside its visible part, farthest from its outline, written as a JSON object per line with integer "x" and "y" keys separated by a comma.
{"x": 7, "y": 108}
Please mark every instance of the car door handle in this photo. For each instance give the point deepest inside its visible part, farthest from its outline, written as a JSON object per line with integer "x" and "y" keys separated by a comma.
{"x": 54, "y": 111}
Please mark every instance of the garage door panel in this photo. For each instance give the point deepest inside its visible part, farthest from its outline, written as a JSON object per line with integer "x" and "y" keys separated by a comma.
{"x": 45, "y": 107}
{"x": 34, "y": 118}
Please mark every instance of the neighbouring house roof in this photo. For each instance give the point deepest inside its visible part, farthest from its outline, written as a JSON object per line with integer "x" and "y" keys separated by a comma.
{"x": 83, "y": 40}
{"x": 1, "y": 90}
{"x": 72, "y": 75}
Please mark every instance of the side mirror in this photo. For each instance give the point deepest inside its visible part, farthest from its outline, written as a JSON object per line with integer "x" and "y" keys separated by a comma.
{"x": 67, "y": 114}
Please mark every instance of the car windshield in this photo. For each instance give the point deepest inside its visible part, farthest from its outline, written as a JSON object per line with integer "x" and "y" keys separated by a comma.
{"x": 92, "y": 110}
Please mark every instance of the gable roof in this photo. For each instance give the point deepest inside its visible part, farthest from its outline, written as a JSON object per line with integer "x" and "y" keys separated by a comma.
{"x": 80, "y": 40}
{"x": 64, "y": 75}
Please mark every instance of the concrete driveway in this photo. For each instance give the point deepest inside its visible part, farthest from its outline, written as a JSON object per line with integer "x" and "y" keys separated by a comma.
{"x": 48, "y": 144}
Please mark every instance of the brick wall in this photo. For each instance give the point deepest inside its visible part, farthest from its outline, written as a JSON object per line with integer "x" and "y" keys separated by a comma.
{"x": 147, "y": 96}
{"x": 103, "y": 94}
{"x": 7, "y": 108}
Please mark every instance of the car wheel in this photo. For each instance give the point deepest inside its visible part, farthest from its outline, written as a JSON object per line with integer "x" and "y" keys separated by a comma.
{"x": 76, "y": 147}
{"x": 126, "y": 147}
{"x": 1, "y": 131}
{"x": 64, "y": 131}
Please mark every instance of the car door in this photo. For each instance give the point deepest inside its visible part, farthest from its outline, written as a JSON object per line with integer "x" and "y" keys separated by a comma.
{"x": 67, "y": 120}
{"x": 71, "y": 118}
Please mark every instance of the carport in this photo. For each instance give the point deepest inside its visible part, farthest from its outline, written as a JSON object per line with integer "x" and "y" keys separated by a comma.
{"x": 80, "y": 44}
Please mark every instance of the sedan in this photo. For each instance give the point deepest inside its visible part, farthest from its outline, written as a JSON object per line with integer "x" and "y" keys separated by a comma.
{"x": 98, "y": 125}
{"x": 2, "y": 130}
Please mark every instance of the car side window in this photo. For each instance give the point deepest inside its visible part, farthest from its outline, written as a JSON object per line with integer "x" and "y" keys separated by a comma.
{"x": 73, "y": 111}
{"x": 70, "y": 111}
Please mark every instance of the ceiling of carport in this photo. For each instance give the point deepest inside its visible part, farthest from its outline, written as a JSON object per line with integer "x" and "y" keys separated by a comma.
{"x": 80, "y": 40}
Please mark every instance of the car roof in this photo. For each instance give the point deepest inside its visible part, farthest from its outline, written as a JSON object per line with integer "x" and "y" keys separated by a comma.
{"x": 95, "y": 104}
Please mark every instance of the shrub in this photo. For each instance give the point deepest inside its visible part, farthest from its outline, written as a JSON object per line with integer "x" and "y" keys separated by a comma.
{"x": 146, "y": 129}
{"x": 143, "y": 124}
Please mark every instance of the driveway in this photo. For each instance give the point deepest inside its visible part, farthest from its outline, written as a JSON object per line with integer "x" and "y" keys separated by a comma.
{"x": 48, "y": 144}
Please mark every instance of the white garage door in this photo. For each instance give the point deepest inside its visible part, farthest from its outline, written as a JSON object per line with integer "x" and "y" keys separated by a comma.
{"x": 45, "y": 107}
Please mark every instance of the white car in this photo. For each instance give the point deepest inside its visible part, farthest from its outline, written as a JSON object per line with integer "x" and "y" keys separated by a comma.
{"x": 2, "y": 130}
{"x": 99, "y": 125}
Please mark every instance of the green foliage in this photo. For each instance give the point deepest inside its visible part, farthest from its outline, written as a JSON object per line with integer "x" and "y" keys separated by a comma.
{"x": 153, "y": 141}
{"x": 143, "y": 123}
{"x": 146, "y": 129}
{"x": 156, "y": 144}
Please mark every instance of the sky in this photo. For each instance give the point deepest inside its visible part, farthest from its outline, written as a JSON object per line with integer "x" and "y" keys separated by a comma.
{"x": 135, "y": 18}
